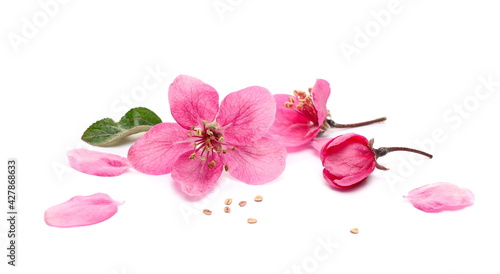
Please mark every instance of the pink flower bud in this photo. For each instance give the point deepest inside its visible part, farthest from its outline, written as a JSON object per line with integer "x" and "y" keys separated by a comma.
{"x": 349, "y": 158}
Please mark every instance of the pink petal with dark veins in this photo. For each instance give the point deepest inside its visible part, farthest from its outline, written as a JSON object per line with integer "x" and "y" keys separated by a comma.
{"x": 194, "y": 175}
{"x": 156, "y": 151}
{"x": 246, "y": 115}
{"x": 257, "y": 163}
{"x": 192, "y": 101}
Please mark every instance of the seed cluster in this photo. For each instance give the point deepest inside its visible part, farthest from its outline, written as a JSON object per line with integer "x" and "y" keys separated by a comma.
{"x": 227, "y": 209}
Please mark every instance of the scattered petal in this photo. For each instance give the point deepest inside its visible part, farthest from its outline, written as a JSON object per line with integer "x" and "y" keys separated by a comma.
{"x": 156, "y": 151}
{"x": 440, "y": 196}
{"x": 82, "y": 211}
{"x": 97, "y": 163}
{"x": 192, "y": 101}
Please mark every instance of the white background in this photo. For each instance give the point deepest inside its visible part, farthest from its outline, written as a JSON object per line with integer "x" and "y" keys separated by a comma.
{"x": 421, "y": 67}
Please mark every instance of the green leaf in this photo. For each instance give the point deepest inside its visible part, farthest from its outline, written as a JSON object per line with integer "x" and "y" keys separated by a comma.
{"x": 107, "y": 132}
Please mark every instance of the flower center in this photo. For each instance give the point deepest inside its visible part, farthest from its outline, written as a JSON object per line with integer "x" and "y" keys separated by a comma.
{"x": 303, "y": 103}
{"x": 208, "y": 140}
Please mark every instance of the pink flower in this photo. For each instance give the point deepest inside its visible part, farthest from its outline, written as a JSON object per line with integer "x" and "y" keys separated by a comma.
{"x": 299, "y": 118}
{"x": 302, "y": 117}
{"x": 348, "y": 159}
{"x": 207, "y": 138}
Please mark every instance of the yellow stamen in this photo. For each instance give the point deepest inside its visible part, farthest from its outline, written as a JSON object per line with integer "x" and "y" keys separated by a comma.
{"x": 202, "y": 158}
{"x": 198, "y": 132}
{"x": 212, "y": 164}
{"x": 192, "y": 156}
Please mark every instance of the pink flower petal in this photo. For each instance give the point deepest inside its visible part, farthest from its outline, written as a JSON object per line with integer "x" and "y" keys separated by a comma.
{"x": 320, "y": 94}
{"x": 332, "y": 180}
{"x": 246, "y": 115}
{"x": 257, "y": 163}
{"x": 348, "y": 160}
{"x": 156, "y": 151}
{"x": 195, "y": 176}
{"x": 440, "y": 196}
{"x": 97, "y": 163}
{"x": 290, "y": 127}
{"x": 192, "y": 101}
{"x": 82, "y": 211}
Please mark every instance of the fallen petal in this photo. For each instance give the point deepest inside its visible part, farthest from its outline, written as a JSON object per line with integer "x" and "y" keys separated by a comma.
{"x": 440, "y": 196}
{"x": 82, "y": 211}
{"x": 97, "y": 163}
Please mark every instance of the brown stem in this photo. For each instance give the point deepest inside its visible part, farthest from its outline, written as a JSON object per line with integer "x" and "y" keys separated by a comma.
{"x": 381, "y": 151}
{"x": 331, "y": 123}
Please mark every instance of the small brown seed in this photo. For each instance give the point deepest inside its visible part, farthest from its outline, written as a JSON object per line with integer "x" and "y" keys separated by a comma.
{"x": 207, "y": 212}
{"x": 227, "y": 209}
{"x": 243, "y": 203}
{"x": 354, "y": 230}
{"x": 258, "y": 198}
{"x": 252, "y": 220}
{"x": 228, "y": 201}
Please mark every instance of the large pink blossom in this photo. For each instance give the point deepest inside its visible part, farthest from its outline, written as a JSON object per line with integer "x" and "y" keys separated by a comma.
{"x": 299, "y": 118}
{"x": 207, "y": 138}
